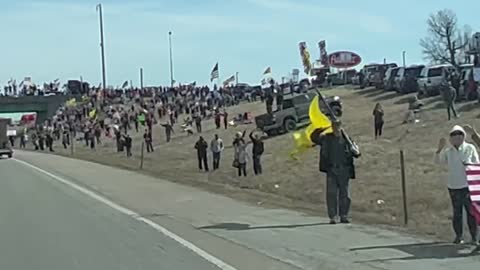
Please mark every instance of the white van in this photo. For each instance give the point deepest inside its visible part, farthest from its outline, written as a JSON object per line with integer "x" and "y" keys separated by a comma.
{"x": 431, "y": 78}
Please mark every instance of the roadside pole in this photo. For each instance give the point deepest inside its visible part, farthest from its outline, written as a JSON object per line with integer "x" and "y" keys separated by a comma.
{"x": 141, "y": 155}
{"x": 404, "y": 188}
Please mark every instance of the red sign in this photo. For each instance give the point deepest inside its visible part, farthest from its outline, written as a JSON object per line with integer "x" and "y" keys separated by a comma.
{"x": 344, "y": 59}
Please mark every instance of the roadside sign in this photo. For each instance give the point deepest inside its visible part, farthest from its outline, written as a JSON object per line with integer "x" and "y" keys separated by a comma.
{"x": 344, "y": 59}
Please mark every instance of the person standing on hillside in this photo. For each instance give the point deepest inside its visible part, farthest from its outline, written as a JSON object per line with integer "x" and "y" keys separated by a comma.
{"x": 198, "y": 122}
{"x": 216, "y": 146}
{"x": 225, "y": 118}
{"x": 147, "y": 136}
{"x": 168, "y": 130}
{"x": 202, "y": 146}
{"x": 257, "y": 152}
{"x": 449, "y": 95}
{"x": 456, "y": 157}
{"x": 241, "y": 156}
{"x": 218, "y": 119}
{"x": 378, "y": 120}
{"x": 337, "y": 153}
{"x": 128, "y": 144}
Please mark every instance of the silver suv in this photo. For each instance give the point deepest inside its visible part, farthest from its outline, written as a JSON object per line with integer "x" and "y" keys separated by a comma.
{"x": 431, "y": 78}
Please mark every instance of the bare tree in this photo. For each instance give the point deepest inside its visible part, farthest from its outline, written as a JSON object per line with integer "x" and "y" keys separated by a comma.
{"x": 445, "y": 42}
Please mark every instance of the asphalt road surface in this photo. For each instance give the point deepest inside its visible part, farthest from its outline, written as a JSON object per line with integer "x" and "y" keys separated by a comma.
{"x": 46, "y": 225}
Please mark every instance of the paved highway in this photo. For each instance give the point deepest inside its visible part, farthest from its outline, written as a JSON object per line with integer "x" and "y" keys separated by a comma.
{"x": 64, "y": 213}
{"x": 47, "y": 225}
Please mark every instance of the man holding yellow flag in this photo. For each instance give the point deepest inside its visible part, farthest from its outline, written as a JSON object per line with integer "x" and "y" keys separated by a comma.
{"x": 337, "y": 155}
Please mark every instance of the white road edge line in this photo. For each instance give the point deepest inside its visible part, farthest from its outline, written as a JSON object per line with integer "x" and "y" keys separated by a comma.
{"x": 200, "y": 252}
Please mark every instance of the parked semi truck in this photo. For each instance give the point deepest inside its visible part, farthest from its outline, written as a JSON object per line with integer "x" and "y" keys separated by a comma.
{"x": 5, "y": 149}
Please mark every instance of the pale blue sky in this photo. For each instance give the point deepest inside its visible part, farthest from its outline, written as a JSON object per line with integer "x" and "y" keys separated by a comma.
{"x": 60, "y": 39}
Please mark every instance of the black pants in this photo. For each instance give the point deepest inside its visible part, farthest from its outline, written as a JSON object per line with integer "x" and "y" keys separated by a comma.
{"x": 129, "y": 151}
{"x": 242, "y": 169}
{"x": 225, "y": 123}
{"x": 461, "y": 200}
{"x": 149, "y": 146}
{"x": 257, "y": 165}
{"x": 451, "y": 109}
{"x": 378, "y": 129}
{"x": 199, "y": 128}
{"x": 338, "y": 199}
{"x": 202, "y": 161}
{"x": 216, "y": 160}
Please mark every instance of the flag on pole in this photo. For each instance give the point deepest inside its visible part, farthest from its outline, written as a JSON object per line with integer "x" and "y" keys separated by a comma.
{"x": 305, "y": 55}
{"x": 473, "y": 178}
{"x": 214, "y": 74}
{"x": 267, "y": 71}
{"x": 125, "y": 84}
{"x": 229, "y": 80}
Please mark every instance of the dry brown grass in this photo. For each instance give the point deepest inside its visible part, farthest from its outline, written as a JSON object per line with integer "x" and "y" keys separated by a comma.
{"x": 300, "y": 185}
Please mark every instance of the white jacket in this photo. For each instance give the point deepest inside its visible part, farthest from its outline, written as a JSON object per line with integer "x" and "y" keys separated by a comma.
{"x": 456, "y": 159}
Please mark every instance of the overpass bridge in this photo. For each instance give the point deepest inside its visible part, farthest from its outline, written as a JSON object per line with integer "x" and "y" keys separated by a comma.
{"x": 44, "y": 106}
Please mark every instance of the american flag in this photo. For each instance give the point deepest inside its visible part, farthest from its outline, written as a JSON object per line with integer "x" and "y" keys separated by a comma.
{"x": 214, "y": 74}
{"x": 473, "y": 178}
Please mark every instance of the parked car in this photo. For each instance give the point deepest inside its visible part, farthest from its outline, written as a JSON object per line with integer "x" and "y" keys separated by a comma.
{"x": 468, "y": 86}
{"x": 408, "y": 82}
{"x": 398, "y": 79}
{"x": 379, "y": 75}
{"x": 389, "y": 79}
{"x": 431, "y": 78}
{"x": 347, "y": 75}
{"x": 335, "y": 79}
{"x": 294, "y": 113}
{"x": 368, "y": 72}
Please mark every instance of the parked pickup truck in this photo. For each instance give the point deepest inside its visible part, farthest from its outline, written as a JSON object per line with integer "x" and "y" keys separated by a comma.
{"x": 294, "y": 114}
{"x": 5, "y": 150}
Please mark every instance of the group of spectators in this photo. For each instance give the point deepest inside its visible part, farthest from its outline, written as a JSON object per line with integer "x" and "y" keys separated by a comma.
{"x": 115, "y": 114}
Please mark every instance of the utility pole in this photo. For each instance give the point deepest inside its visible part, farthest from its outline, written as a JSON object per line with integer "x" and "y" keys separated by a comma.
{"x": 81, "y": 85}
{"x": 171, "y": 58}
{"x": 404, "y": 62}
{"x": 236, "y": 78}
{"x": 141, "y": 78}
{"x": 102, "y": 45}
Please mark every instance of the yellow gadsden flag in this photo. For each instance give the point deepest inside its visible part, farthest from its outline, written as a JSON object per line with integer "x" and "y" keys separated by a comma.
{"x": 71, "y": 102}
{"x": 92, "y": 114}
{"x": 318, "y": 120}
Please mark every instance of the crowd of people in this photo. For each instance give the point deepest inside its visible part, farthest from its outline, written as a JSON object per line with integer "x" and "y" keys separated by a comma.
{"x": 114, "y": 115}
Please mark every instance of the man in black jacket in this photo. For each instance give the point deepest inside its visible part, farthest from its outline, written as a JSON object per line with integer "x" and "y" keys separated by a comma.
{"x": 257, "y": 152}
{"x": 336, "y": 160}
{"x": 202, "y": 147}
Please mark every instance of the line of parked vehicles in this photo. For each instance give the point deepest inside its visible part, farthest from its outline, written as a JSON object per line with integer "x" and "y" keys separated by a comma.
{"x": 426, "y": 80}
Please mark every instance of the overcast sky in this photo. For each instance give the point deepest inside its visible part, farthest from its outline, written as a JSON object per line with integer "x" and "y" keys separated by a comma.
{"x": 60, "y": 39}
